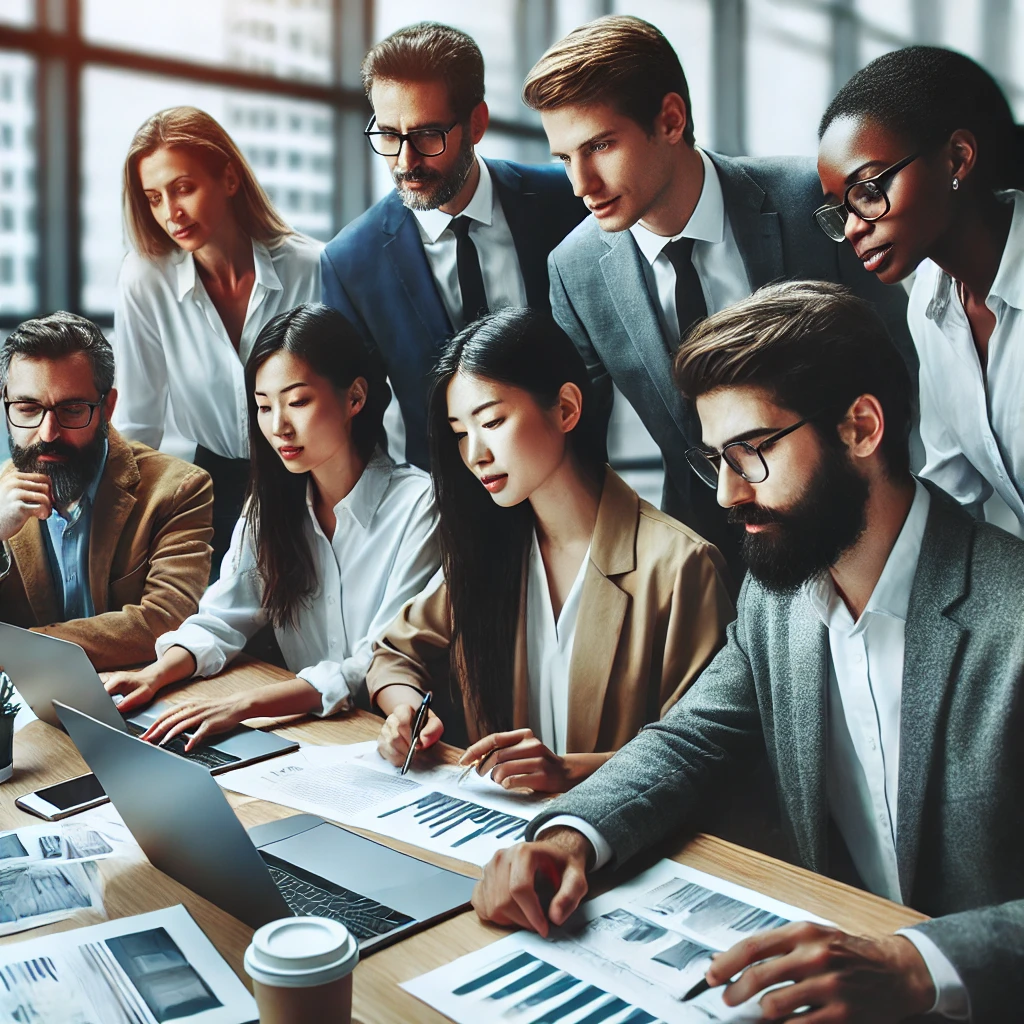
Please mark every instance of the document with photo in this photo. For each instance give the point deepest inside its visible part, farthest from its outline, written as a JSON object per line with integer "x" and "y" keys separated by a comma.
{"x": 138, "y": 970}
{"x": 37, "y": 892}
{"x": 56, "y": 842}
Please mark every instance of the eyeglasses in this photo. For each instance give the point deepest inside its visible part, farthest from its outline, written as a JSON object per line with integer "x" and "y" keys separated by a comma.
{"x": 742, "y": 457}
{"x": 426, "y": 141}
{"x": 868, "y": 199}
{"x": 70, "y": 415}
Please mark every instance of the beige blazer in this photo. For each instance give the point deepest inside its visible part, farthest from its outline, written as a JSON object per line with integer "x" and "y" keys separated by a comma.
{"x": 149, "y": 558}
{"x": 653, "y": 612}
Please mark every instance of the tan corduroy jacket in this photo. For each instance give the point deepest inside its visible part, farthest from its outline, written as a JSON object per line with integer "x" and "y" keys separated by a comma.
{"x": 653, "y": 612}
{"x": 149, "y": 558}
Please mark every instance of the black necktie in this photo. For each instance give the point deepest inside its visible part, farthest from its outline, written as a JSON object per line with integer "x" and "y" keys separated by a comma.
{"x": 471, "y": 281}
{"x": 690, "y": 304}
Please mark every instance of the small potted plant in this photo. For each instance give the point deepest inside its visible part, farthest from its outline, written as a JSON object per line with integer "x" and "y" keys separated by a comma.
{"x": 8, "y": 709}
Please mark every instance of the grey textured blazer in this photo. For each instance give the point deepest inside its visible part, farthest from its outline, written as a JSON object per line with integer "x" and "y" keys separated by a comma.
{"x": 960, "y": 816}
{"x": 600, "y": 298}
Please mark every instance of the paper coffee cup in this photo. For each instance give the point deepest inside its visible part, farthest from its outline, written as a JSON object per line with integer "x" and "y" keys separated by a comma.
{"x": 301, "y": 968}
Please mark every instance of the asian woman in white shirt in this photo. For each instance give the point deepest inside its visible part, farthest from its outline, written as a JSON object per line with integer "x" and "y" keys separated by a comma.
{"x": 571, "y": 612}
{"x": 334, "y": 539}
{"x": 922, "y": 167}
{"x": 212, "y": 262}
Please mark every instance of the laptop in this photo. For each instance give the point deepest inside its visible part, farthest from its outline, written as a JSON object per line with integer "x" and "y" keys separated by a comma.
{"x": 45, "y": 668}
{"x": 301, "y": 865}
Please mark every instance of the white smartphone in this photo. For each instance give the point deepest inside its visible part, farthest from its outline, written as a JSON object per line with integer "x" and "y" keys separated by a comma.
{"x": 54, "y": 802}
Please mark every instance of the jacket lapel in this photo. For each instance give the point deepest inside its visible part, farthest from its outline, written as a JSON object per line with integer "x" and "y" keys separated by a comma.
{"x": 756, "y": 232}
{"x": 408, "y": 262}
{"x": 602, "y": 611}
{"x": 113, "y": 504}
{"x": 932, "y": 645}
{"x": 521, "y": 217}
{"x": 28, "y": 552}
{"x": 627, "y": 285}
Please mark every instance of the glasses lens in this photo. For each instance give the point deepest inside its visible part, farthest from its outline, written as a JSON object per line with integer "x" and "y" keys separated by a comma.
{"x": 832, "y": 220}
{"x": 745, "y": 460}
{"x": 428, "y": 142}
{"x": 25, "y": 414}
{"x": 868, "y": 200}
{"x": 385, "y": 143}
{"x": 703, "y": 466}
{"x": 73, "y": 415}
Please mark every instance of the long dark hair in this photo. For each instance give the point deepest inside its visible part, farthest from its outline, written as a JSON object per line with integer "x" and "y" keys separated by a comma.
{"x": 925, "y": 93}
{"x": 484, "y": 546}
{"x": 276, "y": 498}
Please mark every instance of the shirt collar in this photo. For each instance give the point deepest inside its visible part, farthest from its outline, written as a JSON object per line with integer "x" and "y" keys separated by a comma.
{"x": 364, "y": 499}
{"x": 891, "y": 595}
{"x": 89, "y": 495}
{"x": 706, "y": 223}
{"x": 263, "y": 265}
{"x": 434, "y": 223}
{"x": 1008, "y": 284}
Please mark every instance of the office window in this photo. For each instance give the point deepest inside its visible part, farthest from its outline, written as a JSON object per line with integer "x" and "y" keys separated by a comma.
{"x": 273, "y": 37}
{"x": 17, "y": 12}
{"x": 18, "y": 245}
{"x": 115, "y": 103}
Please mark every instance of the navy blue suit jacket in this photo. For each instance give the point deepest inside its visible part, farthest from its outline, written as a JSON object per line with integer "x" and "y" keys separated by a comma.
{"x": 376, "y": 273}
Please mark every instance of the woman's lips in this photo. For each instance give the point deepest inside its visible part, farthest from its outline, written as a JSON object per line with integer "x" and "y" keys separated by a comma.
{"x": 495, "y": 482}
{"x": 290, "y": 451}
{"x": 874, "y": 258}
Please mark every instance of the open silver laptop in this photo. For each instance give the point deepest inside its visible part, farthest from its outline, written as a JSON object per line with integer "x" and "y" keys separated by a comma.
{"x": 300, "y": 865}
{"x": 45, "y": 669}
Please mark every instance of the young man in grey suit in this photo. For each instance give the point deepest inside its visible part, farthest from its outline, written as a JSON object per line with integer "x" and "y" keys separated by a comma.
{"x": 459, "y": 235}
{"x": 675, "y": 233}
{"x": 877, "y": 655}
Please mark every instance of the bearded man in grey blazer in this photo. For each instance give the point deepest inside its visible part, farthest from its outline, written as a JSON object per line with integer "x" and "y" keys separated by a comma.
{"x": 675, "y": 233}
{"x": 878, "y": 655}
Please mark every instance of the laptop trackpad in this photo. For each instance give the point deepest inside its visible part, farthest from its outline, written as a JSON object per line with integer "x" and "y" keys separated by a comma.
{"x": 370, "y": 869}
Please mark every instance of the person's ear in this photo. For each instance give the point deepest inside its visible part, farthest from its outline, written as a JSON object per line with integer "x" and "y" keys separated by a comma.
{"x": 673, "y": 118}
{"x": 109, "y": 402}
{"x": 357, "y": 394}
{"x": 863, "y": 427}
{"x": 963, "y": 151}
{"x": 479, "y": 119}
{"x": 231, "y": 180}
{"x": 570, "y": 406}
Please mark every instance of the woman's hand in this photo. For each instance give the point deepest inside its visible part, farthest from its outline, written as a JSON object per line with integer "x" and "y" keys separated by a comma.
{"x": 137, "y": 687}
{"x": 396, "y": 735}
{"x": 518, "y": 760}
{"x": 203, "y": 718}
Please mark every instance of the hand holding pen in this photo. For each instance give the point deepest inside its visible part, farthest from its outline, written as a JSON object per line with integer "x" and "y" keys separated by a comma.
{"x": 396, "y": 735}
{"x": 417, "y": 729}
{"x": 518, "y": 760}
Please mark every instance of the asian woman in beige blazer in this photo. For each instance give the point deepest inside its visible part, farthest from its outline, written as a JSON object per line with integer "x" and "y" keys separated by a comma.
{"x": 570, "y": 612}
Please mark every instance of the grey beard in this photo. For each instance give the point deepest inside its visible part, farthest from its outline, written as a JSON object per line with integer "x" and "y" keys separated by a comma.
{"x": 68, "y": 480}
{"x": 447, "y": 188}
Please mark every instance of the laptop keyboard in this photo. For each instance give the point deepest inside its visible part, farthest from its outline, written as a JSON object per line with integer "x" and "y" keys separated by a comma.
{"x": 207, "y": 756}
{"x": 309, "y": 895}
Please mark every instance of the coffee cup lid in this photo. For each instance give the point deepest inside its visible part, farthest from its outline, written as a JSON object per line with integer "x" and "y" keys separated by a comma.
{"x": 301, "y": 952}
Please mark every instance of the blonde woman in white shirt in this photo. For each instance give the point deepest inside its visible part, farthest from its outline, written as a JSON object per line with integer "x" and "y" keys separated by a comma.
{"x": 922, "y": 167}
{"x": 212, "y": 263}
{"x": 334, "y": 540}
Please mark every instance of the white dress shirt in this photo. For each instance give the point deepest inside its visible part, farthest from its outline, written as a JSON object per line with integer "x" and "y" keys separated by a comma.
{"x": 972, "y": 420}
{"x": 549, "y": 644}
{"x": 716, "y": 256}
{"x": 383, "y": 552}
{"x": 865, "y": 688}
{"x": 172, "y": 350}
{"x": 496, "y": 251}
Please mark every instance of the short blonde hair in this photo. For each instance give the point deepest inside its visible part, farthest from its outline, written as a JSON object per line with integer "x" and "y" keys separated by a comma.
{"x": 620, "y": 60}
{"x": 194, "y": 130}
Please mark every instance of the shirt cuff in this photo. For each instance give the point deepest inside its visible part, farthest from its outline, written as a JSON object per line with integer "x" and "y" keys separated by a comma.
{"x": 602, "y": 851}
{"x": 200, "y": 643}
{"x": 327, "y": 677}
{"x": 951, "y": 999}
{"x": 6, "y": 559}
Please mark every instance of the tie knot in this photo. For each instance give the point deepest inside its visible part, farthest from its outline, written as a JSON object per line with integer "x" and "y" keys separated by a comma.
{"x": 679, "y": 251}
{"x": 460, "y": 226}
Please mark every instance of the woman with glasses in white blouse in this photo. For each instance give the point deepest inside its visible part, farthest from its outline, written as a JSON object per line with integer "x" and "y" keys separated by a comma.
{"x": 923, "y": 170}
{"x": 335, "y": 537}
{"x": 212, "y": 263}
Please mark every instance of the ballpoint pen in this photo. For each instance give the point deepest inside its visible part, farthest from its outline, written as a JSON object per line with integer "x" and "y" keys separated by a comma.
{"x": 698, "y": 990}
{"x": 417, "y": 728}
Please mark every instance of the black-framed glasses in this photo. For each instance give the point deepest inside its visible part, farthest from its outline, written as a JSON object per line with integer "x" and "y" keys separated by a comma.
{"x": 426, "y": 141}
{"x": 868, "y": 199}
{"x": 70, "y": 415}
{"x": 742, "y": 457}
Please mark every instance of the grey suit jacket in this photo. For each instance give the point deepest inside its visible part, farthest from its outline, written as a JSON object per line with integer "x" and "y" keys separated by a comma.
{"x": 960, "y": 815}
{"x": 600, "y": 298}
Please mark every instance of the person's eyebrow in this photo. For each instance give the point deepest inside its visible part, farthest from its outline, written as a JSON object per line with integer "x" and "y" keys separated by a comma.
{"x": 479, "y": 409}
{"x": 599, "y": 137}
{"x": 435, "y": 126}
{"x": 853, "y": 175}
{"x": 173, "y": 181}
{"x": 747, "y": 435}
{"x": 36, "y": 401}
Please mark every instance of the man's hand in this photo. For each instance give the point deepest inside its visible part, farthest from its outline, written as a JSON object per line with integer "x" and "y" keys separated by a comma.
{"x": 396, "y": 734}
{"x": 22, "y": 497}
{"x": 843, "y": 978}
{"x": 138, "y": 687}
{"x": 507, "y": 893}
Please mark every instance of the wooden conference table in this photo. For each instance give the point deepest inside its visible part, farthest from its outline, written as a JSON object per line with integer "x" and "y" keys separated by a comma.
{"x": 43, "y": 756}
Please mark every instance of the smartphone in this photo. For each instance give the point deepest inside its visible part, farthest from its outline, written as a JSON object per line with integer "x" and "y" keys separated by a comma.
{"x": 54, "y": 802}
